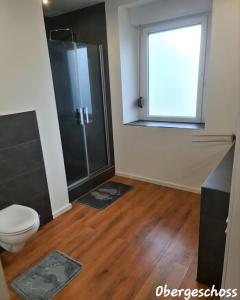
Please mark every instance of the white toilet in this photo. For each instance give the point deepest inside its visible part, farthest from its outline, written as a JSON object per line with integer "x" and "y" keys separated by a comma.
{"x": 17, "y": 225}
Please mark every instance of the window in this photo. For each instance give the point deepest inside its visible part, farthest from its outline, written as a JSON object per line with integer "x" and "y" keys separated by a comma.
{"x": 172, "y": 70}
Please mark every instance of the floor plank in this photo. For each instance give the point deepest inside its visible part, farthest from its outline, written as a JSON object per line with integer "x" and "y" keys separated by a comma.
{"x": 149, "y": 237}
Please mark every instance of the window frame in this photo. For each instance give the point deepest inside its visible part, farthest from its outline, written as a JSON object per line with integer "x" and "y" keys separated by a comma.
{"x": 172, "y": 24}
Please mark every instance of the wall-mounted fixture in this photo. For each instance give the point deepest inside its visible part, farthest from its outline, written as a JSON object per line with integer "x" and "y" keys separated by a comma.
{"x": 45, "y": 2}
{"x": 214, "y": 138}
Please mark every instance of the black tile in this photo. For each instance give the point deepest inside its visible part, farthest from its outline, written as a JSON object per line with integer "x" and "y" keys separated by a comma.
{"x": 25, "y": 186}
{"x": 18, "y": 128}
{"x": 41, "y": 203}
{"x": 22, "y": 172}
{"x": 20, "y": 159}
{"x": 5, "y": 200}
{"x": 29, "y": 190}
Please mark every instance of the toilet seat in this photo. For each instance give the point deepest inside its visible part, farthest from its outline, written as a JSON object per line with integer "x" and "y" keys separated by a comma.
{"x": 19, "y": 232}
{"x": 17, "y": 219}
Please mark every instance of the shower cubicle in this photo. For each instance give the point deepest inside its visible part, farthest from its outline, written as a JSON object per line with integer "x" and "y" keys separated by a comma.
{"x": 79, "y": 84}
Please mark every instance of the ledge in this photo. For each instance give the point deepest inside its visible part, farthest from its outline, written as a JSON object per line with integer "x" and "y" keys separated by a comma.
{"x": 178, "y": 125}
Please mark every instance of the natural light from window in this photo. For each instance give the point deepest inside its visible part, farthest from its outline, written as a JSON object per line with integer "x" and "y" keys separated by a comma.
{"x": 173, "y": 66}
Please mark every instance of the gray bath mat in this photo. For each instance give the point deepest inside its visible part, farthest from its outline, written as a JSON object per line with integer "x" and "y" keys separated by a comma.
{"x": 47, "y": 277}
{"x": 105, "y": 194}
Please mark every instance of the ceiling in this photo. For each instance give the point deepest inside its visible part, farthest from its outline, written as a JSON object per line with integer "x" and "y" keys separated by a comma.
{"x": 58, "y": 7}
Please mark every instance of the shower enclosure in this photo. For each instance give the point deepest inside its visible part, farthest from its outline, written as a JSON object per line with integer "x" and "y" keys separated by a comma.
{"x": 79, "y": 84}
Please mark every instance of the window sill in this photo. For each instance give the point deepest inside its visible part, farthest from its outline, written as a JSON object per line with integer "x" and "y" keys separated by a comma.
{"x": 178, "y": 125}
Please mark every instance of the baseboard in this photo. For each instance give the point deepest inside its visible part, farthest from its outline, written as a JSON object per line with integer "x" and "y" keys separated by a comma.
{"x": 160, "y": 182}
{"x": 62, "y": 210}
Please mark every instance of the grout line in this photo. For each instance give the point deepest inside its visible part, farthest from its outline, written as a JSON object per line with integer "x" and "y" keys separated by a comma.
{"x": 18, "y": 145}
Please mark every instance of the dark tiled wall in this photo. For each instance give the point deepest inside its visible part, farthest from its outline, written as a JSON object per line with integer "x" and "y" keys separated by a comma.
{"x": 22, "y": 171}
{"x": 89, "y": 26}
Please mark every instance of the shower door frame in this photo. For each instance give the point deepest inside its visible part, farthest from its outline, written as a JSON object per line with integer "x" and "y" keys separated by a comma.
{"x": 90, "y": 175}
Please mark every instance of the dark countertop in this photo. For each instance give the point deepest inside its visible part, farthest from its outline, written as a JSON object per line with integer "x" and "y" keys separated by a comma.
{"x": 220, "y": 179}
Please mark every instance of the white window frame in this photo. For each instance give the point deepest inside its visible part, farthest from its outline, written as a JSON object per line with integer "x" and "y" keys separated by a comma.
{"x": 144, "y": 68}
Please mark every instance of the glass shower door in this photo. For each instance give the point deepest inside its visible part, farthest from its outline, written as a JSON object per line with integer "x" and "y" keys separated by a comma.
{"x": 92, "y": 93}
{"x": 78, "y": 77}
{"x": 69, "y": 107}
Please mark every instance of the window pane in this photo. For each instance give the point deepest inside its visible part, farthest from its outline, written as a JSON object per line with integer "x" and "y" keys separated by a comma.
{"x": 173, "y": 72}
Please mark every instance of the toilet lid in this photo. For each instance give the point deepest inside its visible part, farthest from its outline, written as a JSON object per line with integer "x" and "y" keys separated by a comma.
{"x": 16, "y": 219}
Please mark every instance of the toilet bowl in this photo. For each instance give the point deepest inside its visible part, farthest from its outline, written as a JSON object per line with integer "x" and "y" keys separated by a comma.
{"x": 17, "y": 225}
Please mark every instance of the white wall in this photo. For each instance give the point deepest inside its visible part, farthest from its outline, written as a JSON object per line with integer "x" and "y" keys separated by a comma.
{"x": 168, "y": 156}
{"x": 129, "y": 52}
{"x": 163, "y": 10}
{"x": 26, "y": 84}
{"x": 231, "y": 272}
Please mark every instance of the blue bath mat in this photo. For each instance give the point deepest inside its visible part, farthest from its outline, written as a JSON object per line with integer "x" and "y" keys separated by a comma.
{"x": 47, "y": 277}
{"x": 105, "y": 194}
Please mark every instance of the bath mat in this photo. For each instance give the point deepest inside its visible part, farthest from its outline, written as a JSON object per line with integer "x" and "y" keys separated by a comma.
{"x": 105, "y": 194}
{"x": 47, "y": 277}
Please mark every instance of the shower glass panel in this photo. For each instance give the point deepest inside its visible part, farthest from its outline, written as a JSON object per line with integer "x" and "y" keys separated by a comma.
{"x": 66, "y": 86}
{"x": 78, "y": 78}
{"x": 91, "y": 82}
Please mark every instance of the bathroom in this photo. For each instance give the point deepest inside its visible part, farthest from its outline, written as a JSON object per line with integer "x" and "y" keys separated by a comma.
{"x": 85, "y": 175}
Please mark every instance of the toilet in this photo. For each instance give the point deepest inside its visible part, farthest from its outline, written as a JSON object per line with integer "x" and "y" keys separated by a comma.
{"x": 17, "y": 225}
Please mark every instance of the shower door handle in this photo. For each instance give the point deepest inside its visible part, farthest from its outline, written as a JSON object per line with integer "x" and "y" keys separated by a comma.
{"x": 86, "y": 115}
{"x": 82, "y": 115}
{"x": 79, "y": 116}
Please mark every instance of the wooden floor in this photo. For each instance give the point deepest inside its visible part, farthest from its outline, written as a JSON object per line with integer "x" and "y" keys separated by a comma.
{"x": 149, "y": 237}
